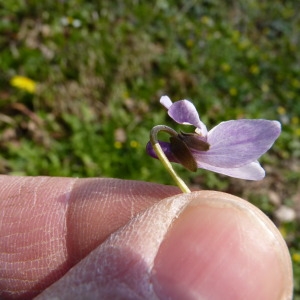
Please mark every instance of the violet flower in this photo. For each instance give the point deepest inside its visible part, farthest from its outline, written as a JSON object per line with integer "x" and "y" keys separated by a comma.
{"x": 231, "y": 148}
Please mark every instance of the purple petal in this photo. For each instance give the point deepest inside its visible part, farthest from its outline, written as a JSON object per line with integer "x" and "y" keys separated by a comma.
{"x": 237, "y": 143}
{"x": 184, "y": 112}
{"x": 166, "y": 149}
{"x": 166, "y": 101}
{"x": 252, "y": 171}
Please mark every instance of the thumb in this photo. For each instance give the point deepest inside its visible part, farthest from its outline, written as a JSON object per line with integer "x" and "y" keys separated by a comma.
{"x": 203, "y": 245}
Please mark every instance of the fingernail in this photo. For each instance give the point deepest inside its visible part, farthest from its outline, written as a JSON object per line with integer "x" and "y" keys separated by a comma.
{"x": 222, "y": 247}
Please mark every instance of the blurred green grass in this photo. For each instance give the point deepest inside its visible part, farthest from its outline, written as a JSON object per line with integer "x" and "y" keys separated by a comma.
{"x": 100, "y": 68}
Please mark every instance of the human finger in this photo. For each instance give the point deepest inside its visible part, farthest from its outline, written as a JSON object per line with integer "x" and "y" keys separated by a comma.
{"x": 48, "y": 224}
{"x": 203, "y": 245}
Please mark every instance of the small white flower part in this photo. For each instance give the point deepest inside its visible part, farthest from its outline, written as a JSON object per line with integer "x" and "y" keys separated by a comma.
{"x": 166, "y": 101}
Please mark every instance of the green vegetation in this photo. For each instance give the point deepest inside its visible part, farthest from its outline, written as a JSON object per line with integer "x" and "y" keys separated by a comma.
{"x": 100, "y": 67}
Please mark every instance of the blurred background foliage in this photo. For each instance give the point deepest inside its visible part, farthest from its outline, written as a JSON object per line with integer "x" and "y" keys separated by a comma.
{"x": 81, "y": 81}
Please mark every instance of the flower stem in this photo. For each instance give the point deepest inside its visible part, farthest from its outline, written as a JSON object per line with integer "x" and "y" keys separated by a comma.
{"x": 162, "y": 157}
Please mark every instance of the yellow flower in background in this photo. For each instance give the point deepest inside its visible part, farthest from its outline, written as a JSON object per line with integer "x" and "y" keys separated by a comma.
{"x": 118, "y": 145}
{"x": 297, "y": 131}
{"x": 207, "y": 21}
{"x": 295, "y": 120}
{"x": 290, "y": 95}
{"x": 244, "y": 44}
{"x": 296, "y": 257}
{"x": 134, "y": 144}
{"x": 23, "y": 83}
{"x": 254, "y": 69}
{"x": 125, "y": 94}
{"x": 296, "y": 83}
{"x": 233, "y": 91}
{"x": 236, "y": 35}
{"x": 265, "y": 87}
{"x": 283, "y": 232}
{"x": 190, "y": 43}
{"x": 225, "y": 67}
{"x": 281, "y": 110}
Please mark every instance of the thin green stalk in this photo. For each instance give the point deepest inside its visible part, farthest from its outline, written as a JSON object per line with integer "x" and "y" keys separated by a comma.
{"x": 162, "y": 157}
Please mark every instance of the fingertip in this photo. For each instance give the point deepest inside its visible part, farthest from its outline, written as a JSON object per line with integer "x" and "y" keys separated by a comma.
{"x": 222, "y": 247}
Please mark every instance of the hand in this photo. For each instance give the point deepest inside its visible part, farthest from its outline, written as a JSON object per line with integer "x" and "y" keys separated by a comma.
{"x": 116, "y": 239}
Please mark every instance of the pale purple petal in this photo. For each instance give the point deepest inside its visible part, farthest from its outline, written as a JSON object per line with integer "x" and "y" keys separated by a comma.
{"x": 237, "y": 143}
{"x": 184, "y": 112}
{"x": 234, "y": 146}
{"x": 252, "y": 171}
{"x": 166, "y": 101}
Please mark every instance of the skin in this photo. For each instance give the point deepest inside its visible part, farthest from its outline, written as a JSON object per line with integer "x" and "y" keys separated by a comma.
{"x": 115, "y": 239}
